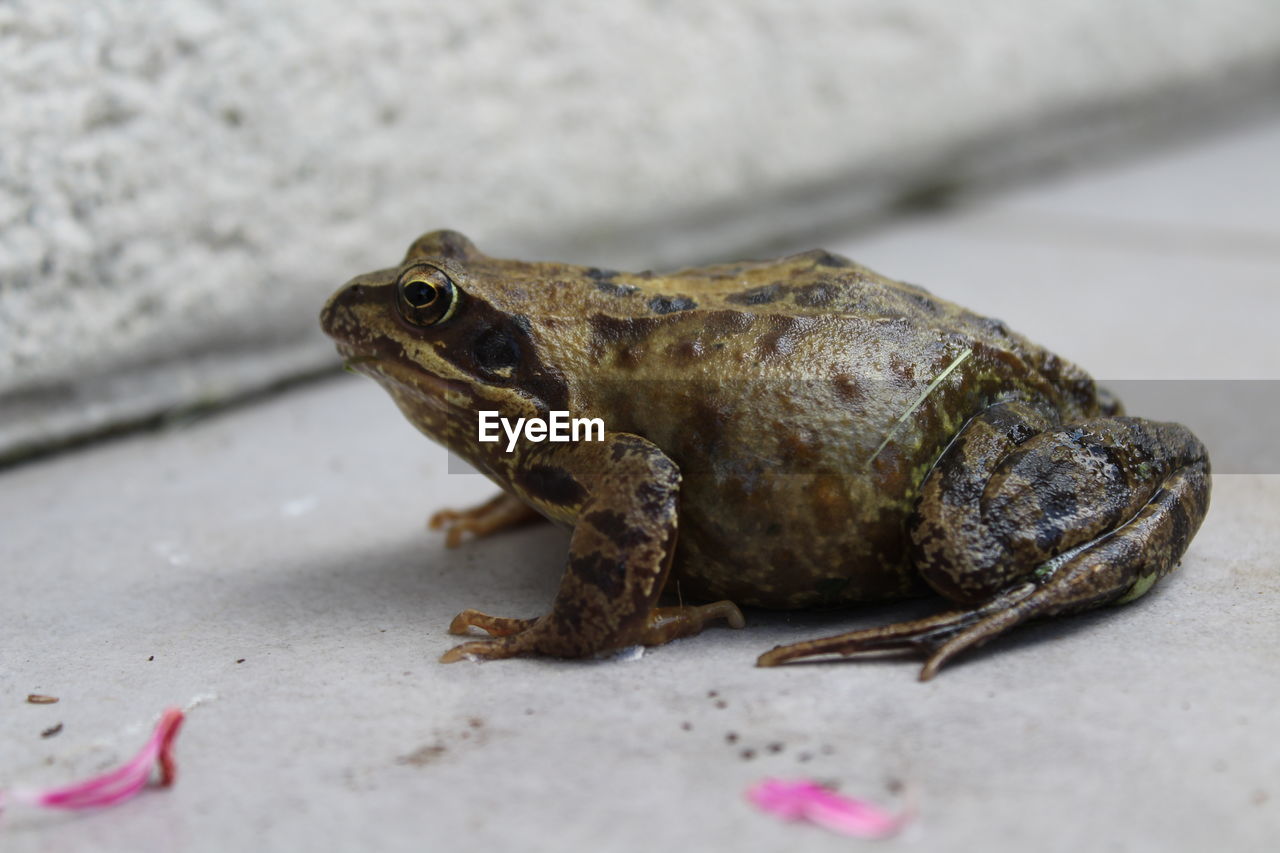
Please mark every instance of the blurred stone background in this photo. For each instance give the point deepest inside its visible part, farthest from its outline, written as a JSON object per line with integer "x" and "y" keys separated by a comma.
{"x": 181, "y": 185}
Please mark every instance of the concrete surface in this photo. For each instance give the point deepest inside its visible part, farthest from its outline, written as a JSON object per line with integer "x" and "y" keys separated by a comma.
{"x": 269, "y": 567}
{"x": 178, "y": 186}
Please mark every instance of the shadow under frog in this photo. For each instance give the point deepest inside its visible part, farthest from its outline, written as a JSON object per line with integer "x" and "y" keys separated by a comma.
{"x": 793, "y": 433}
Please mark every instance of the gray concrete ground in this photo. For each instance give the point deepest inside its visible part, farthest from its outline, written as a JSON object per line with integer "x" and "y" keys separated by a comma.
{"x": 269, "y": 567}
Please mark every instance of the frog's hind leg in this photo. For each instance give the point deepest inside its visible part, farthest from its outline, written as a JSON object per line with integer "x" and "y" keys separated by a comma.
{"x": 1023, "y": 519}
{"x": 501, "y": 512}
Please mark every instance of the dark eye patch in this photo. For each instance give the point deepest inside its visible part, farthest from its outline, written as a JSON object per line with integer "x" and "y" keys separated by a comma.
{"x": 496, "y": 349}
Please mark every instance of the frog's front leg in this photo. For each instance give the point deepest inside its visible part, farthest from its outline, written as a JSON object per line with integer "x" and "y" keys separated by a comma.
{"x": 1024, "y": 518}
{"x": 501, "y": 512}
{"x": 623, "y": 495}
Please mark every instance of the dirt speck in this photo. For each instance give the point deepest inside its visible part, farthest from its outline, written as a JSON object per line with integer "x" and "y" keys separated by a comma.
{"x": 423, "y": 755}
{"x": 687, "y": 726}
{"x": 51, "y": 731}
{"x": 776, "y": 746}
{"x": 731, "y": 737}
{"x": 747, "y": 754}
{"x": 41, "y": 699}
{"x": 475, "y": 722}
{"x": 720, "y": 703}
{"x": 804, "y": 756}
{"x": 240, "y": 660}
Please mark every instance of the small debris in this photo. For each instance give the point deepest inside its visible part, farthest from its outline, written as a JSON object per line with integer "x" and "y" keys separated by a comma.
{"x": 687, "y": 726}
{"x": 51, "y": 731}
{"x": 775, "y": 747}
{"x": 720, "y": 703}
{"x": 731, "y": 737}
{"x": 151, "y": 657}
{"x": 748, "y": 754}
{"x": 240, "y": 660}
{"x": 804, "y": 756}
{"x": 423, "y": 755}
{"x": 475, "y": 722}
{"x": 41, "y": 699}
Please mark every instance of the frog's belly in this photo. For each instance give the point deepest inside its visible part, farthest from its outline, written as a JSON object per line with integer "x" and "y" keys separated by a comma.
{"x": 807, "y": 541}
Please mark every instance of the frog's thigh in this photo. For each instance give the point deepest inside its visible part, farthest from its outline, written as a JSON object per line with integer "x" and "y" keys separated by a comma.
{"x": 1031, "y": 523}
{"x": 986, "y": 523}
{"x": 619, "y": 555}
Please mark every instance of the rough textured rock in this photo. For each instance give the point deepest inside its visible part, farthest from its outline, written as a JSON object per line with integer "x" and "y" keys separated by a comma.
{"x": 180, "y": 186}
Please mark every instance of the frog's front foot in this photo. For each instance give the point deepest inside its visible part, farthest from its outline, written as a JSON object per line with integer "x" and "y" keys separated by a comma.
{"x": 619, "y": 556}
{"x": 1025, "y": 519}
{"x": 501, "y": 512}
{"x": 541, "y": 636}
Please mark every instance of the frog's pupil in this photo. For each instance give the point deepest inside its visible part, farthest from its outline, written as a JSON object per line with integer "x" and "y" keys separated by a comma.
{"x": 419, "y": 294}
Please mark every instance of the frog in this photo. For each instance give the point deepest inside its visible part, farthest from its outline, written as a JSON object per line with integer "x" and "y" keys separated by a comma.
{"x": 793, "y": 433}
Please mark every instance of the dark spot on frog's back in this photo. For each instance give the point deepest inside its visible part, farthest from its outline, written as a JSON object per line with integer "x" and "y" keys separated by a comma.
{"x": 551, "y": 484}
{"x": 606, "y": 330}
{"x": 823, "y": 258}
{"x": 996, "y": 327}
{"x": 671, "y": 304}
{"x": 604, "y": 281}
{"x": 921, "y": 297}
{"x": 783, "y": 331}
{"x": 815, "y": 295}
{"x": 688, "y": 351}
{"x": 757, "y": 295}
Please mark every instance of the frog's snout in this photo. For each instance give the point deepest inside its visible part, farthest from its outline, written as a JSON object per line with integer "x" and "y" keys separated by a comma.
{"x": 336, "y": 313}
{"x": 340, "y": 316}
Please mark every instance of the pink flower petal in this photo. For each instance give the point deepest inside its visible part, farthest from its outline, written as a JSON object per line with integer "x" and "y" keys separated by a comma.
{"x": 807, "y": 800}
{"x": 116, "y": 785}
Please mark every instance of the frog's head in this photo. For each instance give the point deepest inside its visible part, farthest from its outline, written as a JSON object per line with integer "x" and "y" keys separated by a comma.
{"x": 444, "y": 335}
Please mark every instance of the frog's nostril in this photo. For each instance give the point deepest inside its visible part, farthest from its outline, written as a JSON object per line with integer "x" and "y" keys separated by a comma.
{"x": 329, "y": 314}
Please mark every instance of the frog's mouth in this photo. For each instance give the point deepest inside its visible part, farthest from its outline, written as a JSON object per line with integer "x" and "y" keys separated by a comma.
{"x": 415, "y": 379}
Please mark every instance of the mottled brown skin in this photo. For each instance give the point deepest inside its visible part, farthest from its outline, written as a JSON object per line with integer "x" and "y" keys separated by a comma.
{"x": 791, "y": 433}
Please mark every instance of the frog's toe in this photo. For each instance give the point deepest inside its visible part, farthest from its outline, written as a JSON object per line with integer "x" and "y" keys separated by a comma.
{"x": 482, "y": 650}
{"x": 494, "y": 626}
{"x": 501, "y": 512}
{"x": 941, "y": 636}
{"x": 671, "y": 623}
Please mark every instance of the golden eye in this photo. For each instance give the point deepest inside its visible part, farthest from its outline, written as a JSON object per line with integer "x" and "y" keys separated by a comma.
{"x": 427, "y": 296}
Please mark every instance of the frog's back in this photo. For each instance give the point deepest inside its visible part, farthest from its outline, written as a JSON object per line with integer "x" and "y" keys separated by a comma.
{"x": 805, "y": 400}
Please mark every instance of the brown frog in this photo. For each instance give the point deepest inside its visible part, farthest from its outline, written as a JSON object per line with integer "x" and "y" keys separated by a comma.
{"x": 792, "y": 433}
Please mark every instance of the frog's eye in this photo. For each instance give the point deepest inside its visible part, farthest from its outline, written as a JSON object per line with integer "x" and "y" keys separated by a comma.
{"x": 426, "y": 296}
